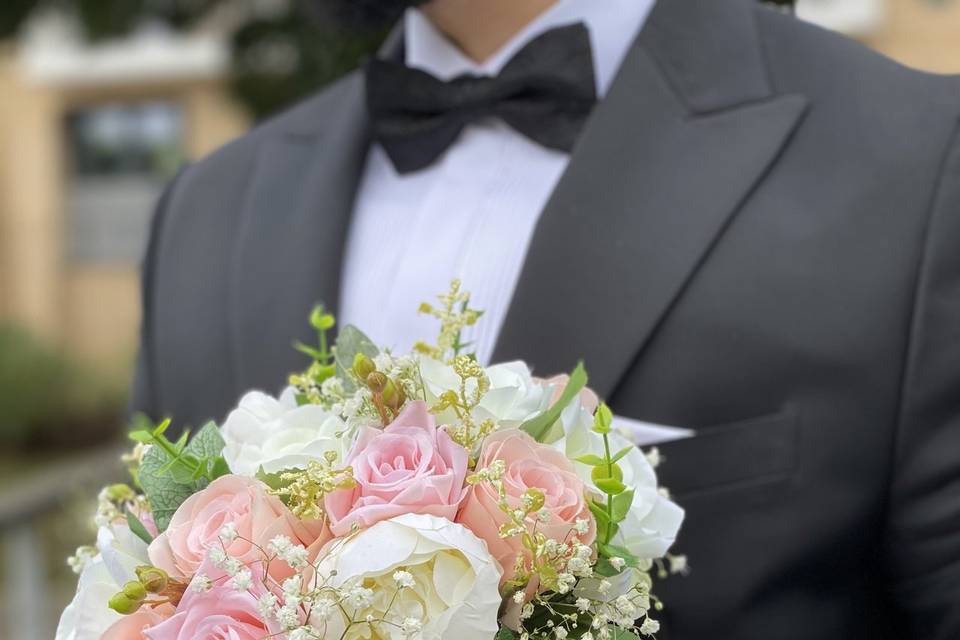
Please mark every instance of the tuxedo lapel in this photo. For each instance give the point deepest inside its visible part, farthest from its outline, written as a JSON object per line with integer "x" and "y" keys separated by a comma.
{"x": 292, "y": 230}
{"x": 686, "y": 131}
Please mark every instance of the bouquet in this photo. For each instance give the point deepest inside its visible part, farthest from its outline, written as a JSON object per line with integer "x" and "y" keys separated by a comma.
{"x": 385, "y": 496}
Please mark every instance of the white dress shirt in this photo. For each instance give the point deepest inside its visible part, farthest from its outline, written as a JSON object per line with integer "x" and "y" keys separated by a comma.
{"x": 471, "y": 214}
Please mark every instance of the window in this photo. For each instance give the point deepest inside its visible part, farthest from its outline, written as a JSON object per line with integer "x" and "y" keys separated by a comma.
{"x": 120, "y": 156}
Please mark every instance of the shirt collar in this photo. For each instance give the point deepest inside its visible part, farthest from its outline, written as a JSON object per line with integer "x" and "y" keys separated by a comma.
{"x": 613, "y": 26}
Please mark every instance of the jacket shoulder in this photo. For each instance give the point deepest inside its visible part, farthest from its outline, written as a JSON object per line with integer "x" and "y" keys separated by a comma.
{"x": 230, "y": 165}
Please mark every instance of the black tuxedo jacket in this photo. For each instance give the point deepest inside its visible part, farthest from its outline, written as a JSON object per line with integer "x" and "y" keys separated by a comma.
{"x": 758, "y": 236}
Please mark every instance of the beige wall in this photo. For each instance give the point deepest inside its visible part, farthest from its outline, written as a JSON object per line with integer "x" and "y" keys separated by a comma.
{"x": 921, "y": 33}
{"x": 30, "y": 172}
{"x": 92, "y": 310}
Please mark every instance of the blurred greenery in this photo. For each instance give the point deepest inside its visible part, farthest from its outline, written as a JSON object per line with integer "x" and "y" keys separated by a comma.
{"x": 279, "y": 55}
{"x": 49, "y": 401}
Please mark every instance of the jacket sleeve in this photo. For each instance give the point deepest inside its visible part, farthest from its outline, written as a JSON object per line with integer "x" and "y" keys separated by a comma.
{"x": 923, "y": 522}
{"x": 144, "y": 393}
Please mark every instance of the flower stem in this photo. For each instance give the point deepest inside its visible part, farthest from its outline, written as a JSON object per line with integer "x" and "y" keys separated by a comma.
{"x": 608, "y": 534}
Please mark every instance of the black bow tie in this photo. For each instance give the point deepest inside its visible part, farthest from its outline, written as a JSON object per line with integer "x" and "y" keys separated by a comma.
{"x": 545, "y": 92}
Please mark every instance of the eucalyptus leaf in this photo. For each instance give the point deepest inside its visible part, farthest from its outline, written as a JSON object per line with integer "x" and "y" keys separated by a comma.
{"x": 619, "y": 455}
{"x": 307, "y": 350}
{"x": 164, "y": 493}
{"x": 591, "y": 459}
{"x": 621, "y": 505}
{"x": 610, "y": 486}
{"x": 599, "y": 512}
{"x": 168, "y": 481}
{"x": 207, "y": 443}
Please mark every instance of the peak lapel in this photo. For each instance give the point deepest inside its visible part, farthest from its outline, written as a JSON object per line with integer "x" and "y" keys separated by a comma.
{"x": 293, "y": 227}
{"x": 664, "y": 164}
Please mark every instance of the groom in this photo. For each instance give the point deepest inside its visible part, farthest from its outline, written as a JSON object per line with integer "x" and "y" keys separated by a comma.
{"x": 745, "y": 225}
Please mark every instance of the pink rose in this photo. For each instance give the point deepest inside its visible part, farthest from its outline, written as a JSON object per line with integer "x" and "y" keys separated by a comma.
{"x": 258, "y": 518}
{"x": 529, "y": 465}
{"x": 221, "y": 612}
{"x": 409, "y": 467}
{"x": 132, "y": 627}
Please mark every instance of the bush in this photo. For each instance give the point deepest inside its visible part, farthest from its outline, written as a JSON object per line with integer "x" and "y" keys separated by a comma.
{"x": 49, "y": 400}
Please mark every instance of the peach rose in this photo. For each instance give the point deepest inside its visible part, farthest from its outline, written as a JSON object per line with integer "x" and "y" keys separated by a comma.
{"x": 529, "y": 465}
{"x": 258, "y": 518}
{"x": 132, "y": 627}
{"x": 409, "y": 467}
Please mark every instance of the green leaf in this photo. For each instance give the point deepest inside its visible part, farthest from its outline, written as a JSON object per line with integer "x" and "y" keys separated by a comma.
{"x": 618, "y": 633}
{"x": 615, "y": 551}
{"x": 605, "y": 569}
{"x": 208, "y": 443}
{"x": 182, "y": 469}
{"x": 614, "y": 528}
{"x": 610, "y": 486}
{"x": 143, "y": 437}
{"x": 138, "y": 529}
{"x": 164, "y": 493}
{"x": 161, "y": 428}
{"x": 350, "y": 342}
{"x": 621, "y": 505}
{"x": 599, "y": 512}
{"x": 539, "y": 426}
{"x": 168, "y": 481}
{"x": 607, "y": 472}
{"x": 321, "y": 320}
{"x": 590, "y": 459}
{"x": 272, "y": 480}
{"x": 307, "y": 350}
{"x": 182, "y": 441}
{"x": 505, "y": 634}
{"x": 623, "y": 452}
{"x": 217, "y": 468}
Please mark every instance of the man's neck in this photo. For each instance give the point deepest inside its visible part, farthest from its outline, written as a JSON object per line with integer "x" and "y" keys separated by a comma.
{"x": 482, "y": 27}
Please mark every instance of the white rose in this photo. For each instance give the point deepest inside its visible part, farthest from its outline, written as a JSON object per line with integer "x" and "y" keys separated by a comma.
{"x": 87, "y": 617}
{"x": 514, "y": 396}
{"x": 653, "y": 521}
{"x": 455, "y": 580}
{"x": 277, "y": 434}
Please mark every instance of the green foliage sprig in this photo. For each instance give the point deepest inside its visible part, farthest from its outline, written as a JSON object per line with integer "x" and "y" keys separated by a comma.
{"x": 171, "y": 472}
{"x": 611, "y": 510}
{"x": 324, "y": 365}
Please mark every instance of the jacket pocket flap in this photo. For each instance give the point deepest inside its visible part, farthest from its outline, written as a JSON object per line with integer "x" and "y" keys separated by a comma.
{"x": 730, "y": 454}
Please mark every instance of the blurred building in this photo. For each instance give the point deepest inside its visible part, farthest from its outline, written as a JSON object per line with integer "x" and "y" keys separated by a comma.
{"x": 88, "y": 137}
{"x": 919, "y": 33}
{"x": 89, "y": 134}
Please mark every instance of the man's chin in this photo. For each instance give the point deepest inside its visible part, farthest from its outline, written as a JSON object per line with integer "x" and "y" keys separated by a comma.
{"x": 365, "y": 14}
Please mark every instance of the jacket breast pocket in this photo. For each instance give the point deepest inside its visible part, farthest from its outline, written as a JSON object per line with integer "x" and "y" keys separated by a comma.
{"x": 735, "y": 455}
